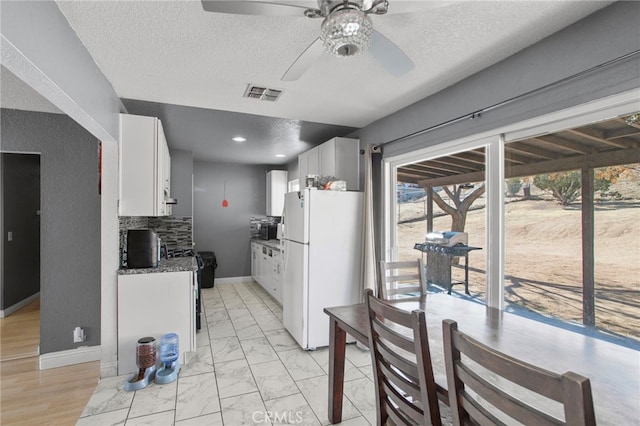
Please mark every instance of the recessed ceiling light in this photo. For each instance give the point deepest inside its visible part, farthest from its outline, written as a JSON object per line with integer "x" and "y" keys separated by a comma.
{"x": 238, "y": 139}
{"x": 280, "y": 155}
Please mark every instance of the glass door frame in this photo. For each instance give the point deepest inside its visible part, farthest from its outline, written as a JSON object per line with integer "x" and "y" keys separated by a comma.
{"x": 494, "y": 141}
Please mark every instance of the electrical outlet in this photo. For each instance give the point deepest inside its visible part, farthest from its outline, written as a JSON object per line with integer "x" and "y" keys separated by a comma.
{"x": 78, "y": 335}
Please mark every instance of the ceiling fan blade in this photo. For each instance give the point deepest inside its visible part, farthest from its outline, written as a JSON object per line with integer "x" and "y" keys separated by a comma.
{"x": 390, "y": 56}
{"x": 253, "y": 8}
{"x": 303, "y": 62}
{"x": 412, "y": 6}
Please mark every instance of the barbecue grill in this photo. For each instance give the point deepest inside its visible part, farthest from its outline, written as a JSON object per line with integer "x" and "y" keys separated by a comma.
{"x": 447, "y": 238}
{"x": 441, "y": 248}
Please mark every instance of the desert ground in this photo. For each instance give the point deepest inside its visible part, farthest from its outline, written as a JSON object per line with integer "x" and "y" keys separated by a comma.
{"x": 543, "y": 269}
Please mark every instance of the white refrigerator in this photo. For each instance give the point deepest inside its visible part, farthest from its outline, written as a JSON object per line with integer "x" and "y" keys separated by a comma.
{"x": 322, "y": 238}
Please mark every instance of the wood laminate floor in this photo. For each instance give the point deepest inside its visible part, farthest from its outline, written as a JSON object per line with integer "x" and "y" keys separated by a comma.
{"x": 29, "y": 396}
{"x": 20, "y": 333}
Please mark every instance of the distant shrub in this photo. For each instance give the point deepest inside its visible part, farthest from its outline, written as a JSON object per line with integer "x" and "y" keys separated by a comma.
{"x": 513, "y": 186}
{"x": 566, "y": 187}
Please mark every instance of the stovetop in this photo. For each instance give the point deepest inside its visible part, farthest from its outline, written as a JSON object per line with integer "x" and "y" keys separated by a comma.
{"x": 179, "y": 252}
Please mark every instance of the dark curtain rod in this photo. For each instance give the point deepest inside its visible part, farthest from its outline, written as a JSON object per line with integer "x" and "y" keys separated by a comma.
{"x": 478, "y": 114}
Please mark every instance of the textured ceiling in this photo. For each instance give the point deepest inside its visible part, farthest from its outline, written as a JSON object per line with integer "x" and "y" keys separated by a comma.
{"x": 173, "y": 60}
{"x": 176, "y": 53}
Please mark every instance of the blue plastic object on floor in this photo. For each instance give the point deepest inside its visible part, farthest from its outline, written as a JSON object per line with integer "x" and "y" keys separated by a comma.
{"x": 133, "y": 385}
{"x": 169, "y": 354}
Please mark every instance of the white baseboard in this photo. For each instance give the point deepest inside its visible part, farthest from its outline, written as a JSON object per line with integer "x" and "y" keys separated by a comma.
{"x": 70, "y": 357}
{"x": 233, "y": 280}
{"x": 108, "y": 369}
{"x": 21, "y": 304}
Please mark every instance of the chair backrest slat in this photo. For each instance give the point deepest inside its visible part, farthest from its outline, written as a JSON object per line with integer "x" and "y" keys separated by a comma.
{"x": 408, "y": 368}
{"x": 393, "y": 336}
{"x": 401, "y": 402}
{"x": 490, "y": 383}
{"x": 400, "y": 264}
{"x": 409, "y": 289}
{"x": 405, "y": 387}
{"x": 404, "y": 279}
{"x": 504, "y": 402}
{"x": 478, "y": 413}
{"x": 543, "y": 382}
{"x": 407, "y": 384}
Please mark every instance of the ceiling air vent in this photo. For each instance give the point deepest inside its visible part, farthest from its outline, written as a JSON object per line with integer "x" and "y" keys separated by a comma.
{"x": 262, "y": 93}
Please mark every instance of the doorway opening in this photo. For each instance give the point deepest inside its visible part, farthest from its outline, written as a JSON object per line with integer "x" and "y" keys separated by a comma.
{"x": 20, "y": 323}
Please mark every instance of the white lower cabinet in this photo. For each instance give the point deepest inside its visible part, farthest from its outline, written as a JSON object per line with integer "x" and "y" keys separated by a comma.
{"x": 255, "y": 253}
{"x": 266, "y": 268}
{"x": 152, "y": 305}
{"x": 276, "y": 265}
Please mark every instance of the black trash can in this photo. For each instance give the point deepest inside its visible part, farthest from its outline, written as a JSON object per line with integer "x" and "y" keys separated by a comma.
{"x": 209, "y": 270}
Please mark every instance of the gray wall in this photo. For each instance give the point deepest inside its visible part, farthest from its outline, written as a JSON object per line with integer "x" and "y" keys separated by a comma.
{"x": 182, "y": 182}
{"x": 601, "y": 37}
{"x": 226, "y": 230}
{"x": 569, "y": 64}
{"x": 292, "y": 170}
{"x": 20, "y": 205}
{"x": 40, "y": 47}
{"x": 70, "y": 223}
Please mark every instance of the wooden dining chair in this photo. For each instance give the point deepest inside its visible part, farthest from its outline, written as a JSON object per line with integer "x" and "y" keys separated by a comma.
{"x": 405, "y": 387}
{"x": 480, "y": 396}
{"x": 401, "y": 280}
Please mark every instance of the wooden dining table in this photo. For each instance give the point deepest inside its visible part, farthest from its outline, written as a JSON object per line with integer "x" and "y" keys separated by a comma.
{"x": 613, "y": 369}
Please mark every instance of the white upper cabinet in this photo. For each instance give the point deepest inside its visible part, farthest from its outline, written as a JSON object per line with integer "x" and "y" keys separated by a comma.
{"x": 338, "y": 157}
{"x": 308, "y": 164}
{"x": 166, "y": 174}
{"x": 145, "y": 167}
{"x": 276, "y": 188}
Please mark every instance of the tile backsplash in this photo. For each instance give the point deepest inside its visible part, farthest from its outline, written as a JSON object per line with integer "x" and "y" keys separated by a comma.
{"x": 173, "y": 231}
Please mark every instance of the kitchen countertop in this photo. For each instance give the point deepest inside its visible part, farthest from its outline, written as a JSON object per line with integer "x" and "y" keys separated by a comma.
{"x": 272, "y": 244}
{"x": 175, "y": 264}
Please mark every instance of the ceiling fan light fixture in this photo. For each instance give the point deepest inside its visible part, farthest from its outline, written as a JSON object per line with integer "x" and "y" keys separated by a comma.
{"x": 346, "y": 32}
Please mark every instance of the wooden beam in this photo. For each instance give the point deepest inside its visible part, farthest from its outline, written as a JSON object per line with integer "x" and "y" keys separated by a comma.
{"x": 602, "y": 159}
{"x": 454, "y": 179}
{"x": 565, "y": 143}
{"x": 454, "y": 161}
{"x": 621, "y": 133}
{"x": 512, "y": 157}
{"x": 435, "y": 164}
{"x": 596, "y": 136}
{"x": 474, "y": 156}
{"x": 531, "y": 151}
{"x": 414, "y": 178}
{"x": 418, "y": 169}
{"x": 588, "y": 249}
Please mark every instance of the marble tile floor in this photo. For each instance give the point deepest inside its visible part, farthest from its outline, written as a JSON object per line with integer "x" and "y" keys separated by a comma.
{"x": 247, "y": 370}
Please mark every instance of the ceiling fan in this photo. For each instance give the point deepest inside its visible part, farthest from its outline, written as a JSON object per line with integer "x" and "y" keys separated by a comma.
{"x": 347, "y": 30}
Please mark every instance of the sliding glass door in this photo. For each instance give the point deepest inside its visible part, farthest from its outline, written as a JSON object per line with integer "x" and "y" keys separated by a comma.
{"x": 552, "y": 205}
{"x": 438, "y": 194}
{"x": 572, "y": 209}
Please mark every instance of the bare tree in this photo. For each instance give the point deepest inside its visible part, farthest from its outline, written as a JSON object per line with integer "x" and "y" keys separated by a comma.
{"x": 461, "y": 204}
